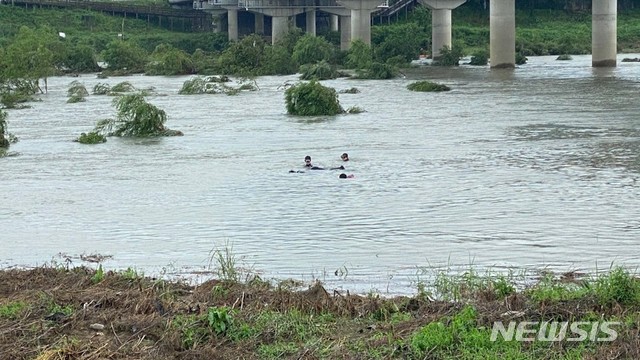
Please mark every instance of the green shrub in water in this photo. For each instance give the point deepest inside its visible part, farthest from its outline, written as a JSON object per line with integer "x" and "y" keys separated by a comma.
{"x": 319, "y": 71}
{"x": 91, "y": 138}
{"x": 479, "y": 58}
{"x": 312, "y": 99}
{"x": 427, "y": 86}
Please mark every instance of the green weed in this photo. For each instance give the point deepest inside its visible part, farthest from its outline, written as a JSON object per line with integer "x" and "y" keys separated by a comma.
{"x": 98, "y": 276}
{"x": 219, "y": 319}
{"x": 227, "y": 263}
{"x": 131, "y": 274}
{"x": 617, "y": 287}
{"x": 12, "y": 310}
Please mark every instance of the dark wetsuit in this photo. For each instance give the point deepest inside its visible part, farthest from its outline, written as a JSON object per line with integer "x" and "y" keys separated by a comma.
{"x": 311, "y": 167}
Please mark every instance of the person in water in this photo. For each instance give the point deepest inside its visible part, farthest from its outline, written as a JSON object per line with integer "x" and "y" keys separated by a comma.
{"x": 307, "y": 164}
{"x": 345, "y": 176}
{"x": 344, "y": 157}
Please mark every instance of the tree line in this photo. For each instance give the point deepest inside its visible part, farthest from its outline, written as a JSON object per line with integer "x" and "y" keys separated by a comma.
{"x": 567, "y": 5}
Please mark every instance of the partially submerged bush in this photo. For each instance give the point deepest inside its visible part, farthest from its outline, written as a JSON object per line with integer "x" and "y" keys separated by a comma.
{"x": 119, "y": 89}
{"x": 354, "y": 110}
{"x": 449, "y": 56}
{"x": 319, "y": 71}
{"x": 15, "y": 92}
{"x": 377, "y": 71}
{"x": 91, "y": 138}
{"x": 350, "y": 91}
{"x": 427, "y": 86}
{"x": 77, "y": 89}
{"x": 202, "y": 85}
{"x": 521, "y": 59}
{"x": 136, "y": 118}
{"x": 123, "y": 87}
{"x": 311, "y": 99}
{"x": 564, "y": 57}
{"x": 480, "y": 58}
{"x": 101, "y": 89}
{"x": 216, "y": 85}
{"x": 6, "y": 138}
{"x": 76, "y": 92}
{"x": 76, "y": 99}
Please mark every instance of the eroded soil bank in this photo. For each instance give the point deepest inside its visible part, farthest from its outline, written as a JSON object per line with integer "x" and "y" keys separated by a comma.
{"x": 81, "y": 313}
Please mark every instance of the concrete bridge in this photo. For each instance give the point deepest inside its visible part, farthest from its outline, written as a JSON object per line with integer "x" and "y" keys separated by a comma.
{"x": 353, "y": 19}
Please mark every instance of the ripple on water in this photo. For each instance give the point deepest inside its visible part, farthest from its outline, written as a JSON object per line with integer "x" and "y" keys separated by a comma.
{"x": 529, "y": 168}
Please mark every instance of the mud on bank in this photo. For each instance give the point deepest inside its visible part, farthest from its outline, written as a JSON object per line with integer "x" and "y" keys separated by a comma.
{"x": 79, "y": 313}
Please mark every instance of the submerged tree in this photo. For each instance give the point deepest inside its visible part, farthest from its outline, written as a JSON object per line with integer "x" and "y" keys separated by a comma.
{"x": 427, "y": 86}
{"x": 6, "y": 138}
{"x": 311, "y": 99}
{"x": 136, "y": 118}
{"x": 77, "y": 91}
{"x": 319, "y": 71}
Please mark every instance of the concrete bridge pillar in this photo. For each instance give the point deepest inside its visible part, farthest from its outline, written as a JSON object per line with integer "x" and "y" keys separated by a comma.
{"x": 334, "y": 22}
{"x": 604, "y": 46}
{"x": 441, "y": 23}
{"x": 232, "y": 24}
{"x": 345, "y": 32}
{"x": 502, "y": 33}
{"x": 311, "y": 22}
{"x": 280, "y": 21}
{"x": 279, "y": 28}
{"x": 360, "y": 18}
{"x": 259, "y": 23}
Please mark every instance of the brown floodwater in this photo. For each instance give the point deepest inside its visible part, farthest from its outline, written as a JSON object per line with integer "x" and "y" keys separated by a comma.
{"x": 530, "y": 168}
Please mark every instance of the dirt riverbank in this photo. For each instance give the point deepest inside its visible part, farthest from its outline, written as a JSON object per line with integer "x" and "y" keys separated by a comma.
{"x": 79, "y": 313}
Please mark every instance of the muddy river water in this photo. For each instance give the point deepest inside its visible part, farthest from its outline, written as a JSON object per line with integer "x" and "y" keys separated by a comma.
{"x": 532, "y": 168}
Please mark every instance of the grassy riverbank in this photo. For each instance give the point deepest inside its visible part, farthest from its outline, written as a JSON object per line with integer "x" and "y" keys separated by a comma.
{"x": 53, "y": 312}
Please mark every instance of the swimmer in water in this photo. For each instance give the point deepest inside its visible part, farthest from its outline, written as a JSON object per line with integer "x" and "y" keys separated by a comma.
{"x": 345, "y": 176}
{"x": 307, "y": 164}
{"x": 344, "y": 157}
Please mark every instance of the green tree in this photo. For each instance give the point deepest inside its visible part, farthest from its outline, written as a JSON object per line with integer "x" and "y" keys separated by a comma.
{"x": 359, "y": 56}
{"x": 450, "y": 56}
{"x": 312, "y": 49}
{"x": 244, "y": 57}
{"x": 124, "y": 55}
{"x": 80, "y": 59}
{"x": 29, "y": 58}
{"x": 167, "y": 60}
{"x": 403, "y": 40}
{"x": 312, "y": 99}
{"x": 278, "y": 61}
{"x": 136, "y": 118}
{"x": 6, "y": 138}
{"x": 4, "y": 142}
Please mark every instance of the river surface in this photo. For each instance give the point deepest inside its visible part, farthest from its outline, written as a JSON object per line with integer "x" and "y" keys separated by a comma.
{"x": 532, "y": 168}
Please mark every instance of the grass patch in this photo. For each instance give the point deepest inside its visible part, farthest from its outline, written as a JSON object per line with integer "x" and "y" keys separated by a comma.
{"x": 12, "y": 310}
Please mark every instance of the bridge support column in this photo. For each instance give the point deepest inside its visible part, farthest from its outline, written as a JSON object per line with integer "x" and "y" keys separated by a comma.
{"x": 604, "y": 46}
{"x": 259, "y": 23}
{"x": 334, "y": 22}
{"x": 360, "y": 18}
{"x": 502, "y": 33}
{"x": 441, "y": 23}
{"x": 279, "y": 28}
{"x": 311, "y": 22}
{"x": 279, "y": 20}
{"x": 217, "y": 23}
{"x": 345, "y": 32}
{"x": 232, "y": 21}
